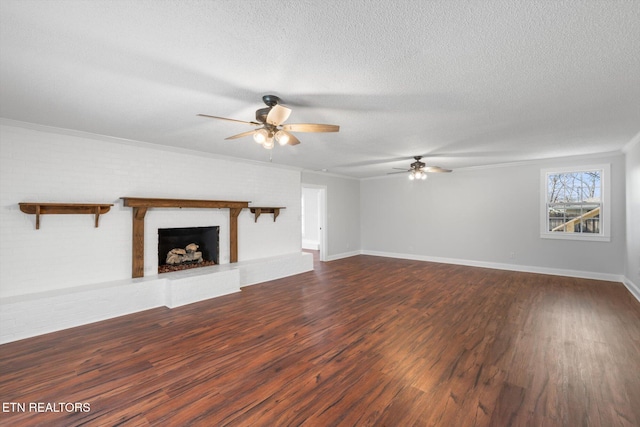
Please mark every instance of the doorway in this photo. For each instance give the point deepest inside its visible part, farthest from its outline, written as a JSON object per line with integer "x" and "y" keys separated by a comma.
{"x": 314, "y": 214}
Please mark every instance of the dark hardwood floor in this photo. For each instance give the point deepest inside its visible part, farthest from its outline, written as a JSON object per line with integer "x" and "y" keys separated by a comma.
{"x": 357, "y": 342}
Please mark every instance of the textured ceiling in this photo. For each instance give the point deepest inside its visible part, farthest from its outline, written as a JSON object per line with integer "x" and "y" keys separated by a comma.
{"x": 464, "y": 83}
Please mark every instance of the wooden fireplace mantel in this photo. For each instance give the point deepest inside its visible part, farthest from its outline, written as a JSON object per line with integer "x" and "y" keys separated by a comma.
{"x": 140, "y": 206}
{"x": 139, "y": 202}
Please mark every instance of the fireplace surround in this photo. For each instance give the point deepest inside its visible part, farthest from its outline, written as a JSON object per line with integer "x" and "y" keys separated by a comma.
{"x": 141, "y": 205}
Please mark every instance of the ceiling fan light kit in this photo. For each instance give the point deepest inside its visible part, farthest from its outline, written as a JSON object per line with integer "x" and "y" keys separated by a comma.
{"x": 261, "y": 136}
{"x": 272, "y": 129}
{"x": 266, "y": 138}
{"x": 282, "y": 137}
{"x": 418, "y": 170}
{"x": 417, "y": 174}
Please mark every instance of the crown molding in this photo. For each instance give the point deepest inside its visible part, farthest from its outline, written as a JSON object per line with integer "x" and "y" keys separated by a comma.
{"x": 135, "y": 143}
{"x": 631, "y": 144}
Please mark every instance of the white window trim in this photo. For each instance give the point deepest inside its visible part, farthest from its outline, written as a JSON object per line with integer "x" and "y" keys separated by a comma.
{"x": 605, "y": 210}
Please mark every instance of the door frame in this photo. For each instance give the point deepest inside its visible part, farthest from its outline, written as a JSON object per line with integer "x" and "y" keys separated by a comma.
{"x": 322, "y": 218}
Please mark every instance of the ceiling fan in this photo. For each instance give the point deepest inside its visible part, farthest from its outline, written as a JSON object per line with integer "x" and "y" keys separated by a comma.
{"x": 419, "y": 170}
{"x": 270, "y": 125}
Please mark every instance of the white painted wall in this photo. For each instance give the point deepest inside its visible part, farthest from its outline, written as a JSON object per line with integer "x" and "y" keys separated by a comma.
{"x": 311, "y": 218}
{"x": 40, "y": 164}
{"x": 343, "y": 213}
{"x": 486, "y": 216}
{"x": 632, "y": 265}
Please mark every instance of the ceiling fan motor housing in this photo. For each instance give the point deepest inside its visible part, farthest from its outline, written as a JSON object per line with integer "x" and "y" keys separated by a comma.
{"x": 417, "y": 164}
{"x": 271, "y": 101}
{"x": 262, "y": 113}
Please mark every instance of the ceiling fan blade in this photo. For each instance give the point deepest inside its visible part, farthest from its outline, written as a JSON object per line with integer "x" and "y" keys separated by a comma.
{"x": 278, "y": 114}
{"x": 292, "y": 139}
{"x": 243, "y": 134}
{"x": 393, "y": 173}
{"x": 310, "y": 127}
{"x": 436, "y": 169}
{"x": 401, "y": 169}
{"x": 231, "y": 120}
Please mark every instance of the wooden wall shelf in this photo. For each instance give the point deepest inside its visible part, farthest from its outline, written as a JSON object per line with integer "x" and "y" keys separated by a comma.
{"x": 257, "y": 211}
{"x": 140, "y": 206}
{"x": 37, "y": 209}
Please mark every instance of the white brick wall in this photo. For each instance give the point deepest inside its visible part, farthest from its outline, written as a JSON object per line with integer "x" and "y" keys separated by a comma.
{"x": 68, "y": 251}
{"x": 45, "y": 165}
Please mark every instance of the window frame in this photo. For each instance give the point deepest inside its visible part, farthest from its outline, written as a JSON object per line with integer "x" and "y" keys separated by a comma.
{"x": 605, "y": 206}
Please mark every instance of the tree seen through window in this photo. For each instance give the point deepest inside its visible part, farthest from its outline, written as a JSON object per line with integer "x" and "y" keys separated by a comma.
{"x": 574, "y": 202}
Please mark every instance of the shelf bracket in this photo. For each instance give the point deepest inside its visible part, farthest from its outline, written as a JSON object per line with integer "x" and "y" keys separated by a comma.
{"x": 37, "y": 217}
{"x": 257, "y": 211}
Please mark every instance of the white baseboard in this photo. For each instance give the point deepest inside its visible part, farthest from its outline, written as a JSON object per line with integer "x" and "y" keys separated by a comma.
{"x": 633, "y": 288}
{"x": 26, "y": 316}
{"x": 501, "y": 266}
{"x": 343, "y": 255}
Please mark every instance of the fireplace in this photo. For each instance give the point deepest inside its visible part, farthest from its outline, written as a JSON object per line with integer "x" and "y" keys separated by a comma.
{"x": 190, "y": 247}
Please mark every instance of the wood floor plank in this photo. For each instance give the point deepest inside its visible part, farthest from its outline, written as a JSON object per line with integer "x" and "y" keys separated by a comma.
{"x": 362, "y": 341}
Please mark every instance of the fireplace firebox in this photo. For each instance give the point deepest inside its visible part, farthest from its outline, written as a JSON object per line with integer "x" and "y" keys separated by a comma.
{"x": 190, "y": 247}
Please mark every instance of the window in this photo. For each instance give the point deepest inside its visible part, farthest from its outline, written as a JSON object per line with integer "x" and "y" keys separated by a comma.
{"x": 574, "y": 203}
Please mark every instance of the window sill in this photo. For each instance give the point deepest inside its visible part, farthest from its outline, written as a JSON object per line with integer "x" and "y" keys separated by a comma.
{"x": 576, "y": 236}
